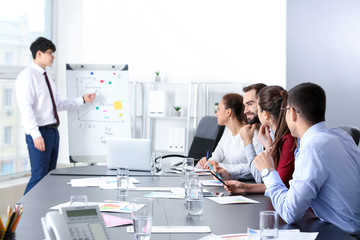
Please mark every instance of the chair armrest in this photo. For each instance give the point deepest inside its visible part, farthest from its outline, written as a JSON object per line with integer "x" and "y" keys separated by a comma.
{"x": 174, "y": 155}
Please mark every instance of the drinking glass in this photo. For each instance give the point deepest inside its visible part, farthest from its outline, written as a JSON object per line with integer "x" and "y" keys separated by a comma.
{"x": 268, "y": 225}
{"x": 190, "y": 178}
{"x": 142, "y": 213}
{"x": 78, "y": 200}
{"x": 188, "y": 166}
{"x": 120, "y": 196}
{"x": 194, "y": 199}
{"x": 156, "y": 161}
{"x": 123, "y": 180}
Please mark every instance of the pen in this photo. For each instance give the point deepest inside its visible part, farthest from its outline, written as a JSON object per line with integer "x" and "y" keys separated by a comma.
{"x": 219, "y": 179}
{"x": 14, "y": 218}
{"x": 1, "y": 225}
{"x": 9, "y": 223}
{"x": 215, "y": 171}
{"x": 17, "y": 219}
{"x": 207, "y": 155}
{"x": 9, "y": 211}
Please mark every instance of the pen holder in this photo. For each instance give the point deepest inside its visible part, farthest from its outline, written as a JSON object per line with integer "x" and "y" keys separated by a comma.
{"x": 7, "y": 236}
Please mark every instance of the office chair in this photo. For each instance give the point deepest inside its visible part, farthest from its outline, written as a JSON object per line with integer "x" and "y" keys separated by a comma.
{"x": 207, "y": 136}
{"x": 353, "y": 131}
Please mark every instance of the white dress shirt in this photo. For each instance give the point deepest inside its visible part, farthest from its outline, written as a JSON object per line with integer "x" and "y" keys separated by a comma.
{"x": 230, "y": 154}
{"x": 34, "y": 101}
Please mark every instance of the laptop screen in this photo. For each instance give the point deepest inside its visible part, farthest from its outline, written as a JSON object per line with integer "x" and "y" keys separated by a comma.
{"x": 131, "y": 152}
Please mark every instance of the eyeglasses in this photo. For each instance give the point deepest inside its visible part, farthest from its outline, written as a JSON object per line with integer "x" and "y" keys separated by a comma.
{"x": 283, "y": 111}
{"x": 51, "y": 53}
{"x": 286, "y": 108}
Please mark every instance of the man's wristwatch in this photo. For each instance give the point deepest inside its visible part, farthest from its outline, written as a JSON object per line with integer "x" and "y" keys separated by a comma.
{"x": 265, "y": 172}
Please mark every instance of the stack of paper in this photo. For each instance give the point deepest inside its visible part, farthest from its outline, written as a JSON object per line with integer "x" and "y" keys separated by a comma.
{"x": 293, "y": 234}
{"x": 101, "y": 182}
{"x": 108, "y": 206}
{"x": 165, "y": 195}
{"x": 212, "y": 183}
{"x": 113, "y": 221}
{"x": 175, "y": 229}
{"x": 232, "y": 199}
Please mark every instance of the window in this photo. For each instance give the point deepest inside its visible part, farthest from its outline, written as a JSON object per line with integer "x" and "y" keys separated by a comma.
{"x": 7, "y": 136}
{"x": 9, "y": 58}
{"x": 21, "y": 22}
{"x": 7, "y": 168}
{"x": 7, "y": 97}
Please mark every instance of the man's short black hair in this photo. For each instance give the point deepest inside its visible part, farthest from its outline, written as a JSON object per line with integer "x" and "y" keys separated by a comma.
{"x": 41, "y": 44}
{"x": 257, "y": 87}
{"x": 309, "y": 100}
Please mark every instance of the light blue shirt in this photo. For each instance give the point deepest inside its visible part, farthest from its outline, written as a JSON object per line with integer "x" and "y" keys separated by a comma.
{"x": 326, "y": 178}
{"x": 251, "y": 154}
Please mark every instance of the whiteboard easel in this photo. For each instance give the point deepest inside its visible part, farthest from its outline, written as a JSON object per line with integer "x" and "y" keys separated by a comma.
{"x": 109, "y": 114}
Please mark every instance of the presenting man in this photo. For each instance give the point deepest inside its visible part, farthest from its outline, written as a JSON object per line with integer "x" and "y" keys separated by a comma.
{"x": 39, "y": 105}
{"x": 327, "y": 166}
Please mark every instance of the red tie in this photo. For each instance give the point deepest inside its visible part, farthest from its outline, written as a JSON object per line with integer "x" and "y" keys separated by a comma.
{"x": 52, "y": 100}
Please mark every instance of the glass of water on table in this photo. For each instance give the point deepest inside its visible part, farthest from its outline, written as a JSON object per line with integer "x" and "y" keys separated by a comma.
{"x": 188, "y": 166}
{"x": 142, "y": 213}
{"x": 194, "y": 199}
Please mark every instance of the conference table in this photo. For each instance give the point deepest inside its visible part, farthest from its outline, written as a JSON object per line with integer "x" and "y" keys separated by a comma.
{"x": 54, "y": 189}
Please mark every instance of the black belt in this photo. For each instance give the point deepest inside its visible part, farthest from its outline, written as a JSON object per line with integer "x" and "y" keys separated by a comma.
{"x": 49, "y": 126}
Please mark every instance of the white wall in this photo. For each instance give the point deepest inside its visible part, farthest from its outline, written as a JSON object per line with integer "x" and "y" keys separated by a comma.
{"x": 204, "y": 40}
{"x": 323, "y": 39}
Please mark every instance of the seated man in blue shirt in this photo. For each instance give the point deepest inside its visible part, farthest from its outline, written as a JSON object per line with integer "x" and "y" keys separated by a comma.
{"x": 327, "y": 166}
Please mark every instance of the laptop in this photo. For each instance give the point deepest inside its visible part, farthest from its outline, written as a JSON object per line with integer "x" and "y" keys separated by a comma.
{"x": 131, "y": 152}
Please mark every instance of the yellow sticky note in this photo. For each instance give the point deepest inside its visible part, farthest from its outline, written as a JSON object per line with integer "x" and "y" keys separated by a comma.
{"x": 117, "y": 105}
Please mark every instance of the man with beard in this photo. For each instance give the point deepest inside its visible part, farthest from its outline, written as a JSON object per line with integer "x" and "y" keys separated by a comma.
{"x": 250, "y": 102}
{"x": 247, "y": 132}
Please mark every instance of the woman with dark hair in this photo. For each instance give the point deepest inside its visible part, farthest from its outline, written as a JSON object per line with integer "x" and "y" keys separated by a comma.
{"x": 272, "y": 101}
{"x": 230, "y": 151}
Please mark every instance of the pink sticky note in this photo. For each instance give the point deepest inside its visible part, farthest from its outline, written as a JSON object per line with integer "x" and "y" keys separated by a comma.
{"x": 112, "y": 221}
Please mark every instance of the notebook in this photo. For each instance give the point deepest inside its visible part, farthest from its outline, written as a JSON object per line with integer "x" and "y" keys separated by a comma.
{"x": 131, "y": 152}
